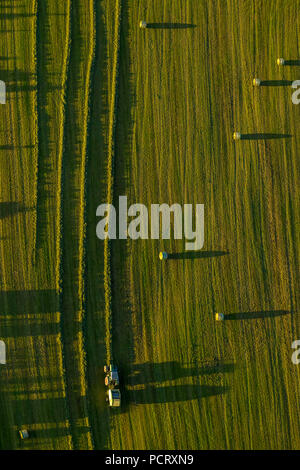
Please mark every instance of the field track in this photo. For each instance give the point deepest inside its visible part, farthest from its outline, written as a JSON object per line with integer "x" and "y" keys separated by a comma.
{"x": 98, "y": 108}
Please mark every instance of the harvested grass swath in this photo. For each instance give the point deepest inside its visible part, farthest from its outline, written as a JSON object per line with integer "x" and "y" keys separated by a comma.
{"x": 110, "y": 172}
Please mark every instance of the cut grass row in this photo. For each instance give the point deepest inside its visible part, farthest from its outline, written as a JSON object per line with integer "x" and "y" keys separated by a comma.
{"x": 32, "y": 388}
{"x": 110, "y": 175}
{"x": 46, "y": 49}
{"x": 73, "y": 212}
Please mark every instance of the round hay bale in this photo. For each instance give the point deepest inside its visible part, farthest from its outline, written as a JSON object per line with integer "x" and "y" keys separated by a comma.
{"x": 256, "y": 81}
{"x": 219, "y": 316}
{"x": 2, "y": 352}
{"x": 24, "y": 434}
{"x": 163, "y": 255}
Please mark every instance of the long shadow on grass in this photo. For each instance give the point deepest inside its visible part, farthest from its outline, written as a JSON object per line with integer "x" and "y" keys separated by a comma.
{"x": 12, "y": 16}
{"x": 160, "y": 372}
{"x": 46, "y": 146}
{"x": 16, "y": 77}
{"x": 173, "y": 394}
{"x": 14, "y": 147}
{"x": 197, "y": 254}
{"x": 258, "y": 314}
{"x": 15, "y": 302}
{"x": 14, "y": 31}
{"x": 292, "y": 62}
{"x": 7, "y": 209}
{"x": 26, "y": 328}
{"x": 17, "y": 88}
{"x": 276, "y": 83}
{"x": 54, "y": 433}
{"x": 10, "y": 6}
{"x": 265, "y": 136}
{"x": 34, "y": 411}
{"x": 170, "y": 26}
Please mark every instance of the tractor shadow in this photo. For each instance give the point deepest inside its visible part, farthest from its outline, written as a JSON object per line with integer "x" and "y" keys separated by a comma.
{"x": 255, "y": 315}
{"x": 170, "y": 26}
{"x": 160, "y": 372}
{"x": 172, "y": 394}
{"x": 265, "y": 136}
{"x": 197, "y": 254}
{"x": 147, "y": 373}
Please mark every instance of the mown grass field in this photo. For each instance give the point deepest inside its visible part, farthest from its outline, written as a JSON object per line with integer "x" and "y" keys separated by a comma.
{"x": 97, "y": 108}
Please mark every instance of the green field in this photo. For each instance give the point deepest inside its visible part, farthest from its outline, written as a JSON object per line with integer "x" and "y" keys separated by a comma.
{"x": 98, "y": 108}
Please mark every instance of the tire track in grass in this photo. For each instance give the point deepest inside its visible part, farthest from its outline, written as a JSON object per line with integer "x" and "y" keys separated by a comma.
{"x": 123, "y": 314}
{"x": 96, "y": 186}
{"x": 73, "y": 215}
{"x": 83, "y": 198}
{"x": 36, "y": 124}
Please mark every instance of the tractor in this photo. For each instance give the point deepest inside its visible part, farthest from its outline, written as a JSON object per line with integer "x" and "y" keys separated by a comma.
{"x": 113, "y": 397}
{"x": 111, "y": 376}
{"x": 111, "y": 381}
